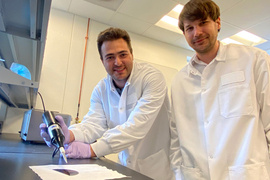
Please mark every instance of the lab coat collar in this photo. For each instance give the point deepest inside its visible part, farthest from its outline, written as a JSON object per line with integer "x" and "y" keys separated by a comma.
{"x": 221, "y": 56}
{"x": 112, "y": 88}
{"x": 191, "y": 68}
{"x": 131, "y": 74}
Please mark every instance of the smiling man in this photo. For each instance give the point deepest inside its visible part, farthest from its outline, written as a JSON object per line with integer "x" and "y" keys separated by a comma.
{"x": 117, "y": 60}
{"x": 220, "y": 104}
{"x": 129, "y": 113}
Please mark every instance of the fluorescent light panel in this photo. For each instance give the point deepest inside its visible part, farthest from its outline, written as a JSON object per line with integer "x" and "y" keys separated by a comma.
{"x": 178, "y": 8}
{"x": 2, "y": 60}
{"x": 170, "y": 20}
{"x": 245, "y": 38}
{"x": 249, "y": 36}
{"x": 230, "y": 41}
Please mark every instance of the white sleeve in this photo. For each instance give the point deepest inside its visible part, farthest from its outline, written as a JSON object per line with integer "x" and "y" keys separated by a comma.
{"x": 94, "y": 123}
{"x": 262, "y": 78}
{"x": 175, "y": 153}
{"x": 140, "y": 119}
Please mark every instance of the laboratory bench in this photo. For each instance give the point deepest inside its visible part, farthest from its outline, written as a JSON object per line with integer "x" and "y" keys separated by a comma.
{"x": 16, "y": 155}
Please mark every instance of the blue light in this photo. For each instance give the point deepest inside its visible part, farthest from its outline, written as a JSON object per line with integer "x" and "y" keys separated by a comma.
{"x": 20, "y": 70}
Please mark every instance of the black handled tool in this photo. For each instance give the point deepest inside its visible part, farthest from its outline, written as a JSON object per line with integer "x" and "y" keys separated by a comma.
{"x": 55, "y": 132}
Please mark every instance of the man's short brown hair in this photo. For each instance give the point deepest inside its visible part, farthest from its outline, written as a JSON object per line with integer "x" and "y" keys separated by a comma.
{"x": 111, "y": 34}
{"x": 198, "y": 10}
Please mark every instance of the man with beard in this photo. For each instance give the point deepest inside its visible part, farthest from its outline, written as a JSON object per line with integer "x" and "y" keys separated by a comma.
{"x": 129, "y": 112}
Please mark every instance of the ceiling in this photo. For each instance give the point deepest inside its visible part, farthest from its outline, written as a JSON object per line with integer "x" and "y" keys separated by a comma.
{"x": 140, "y": 16}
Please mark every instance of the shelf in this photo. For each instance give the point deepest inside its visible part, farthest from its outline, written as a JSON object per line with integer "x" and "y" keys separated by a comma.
{"x": 23, "y": 29}
{"x": 17, "y": 91}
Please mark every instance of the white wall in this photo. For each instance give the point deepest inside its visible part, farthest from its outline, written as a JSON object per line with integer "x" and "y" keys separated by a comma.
{"x": 63, "y": 59}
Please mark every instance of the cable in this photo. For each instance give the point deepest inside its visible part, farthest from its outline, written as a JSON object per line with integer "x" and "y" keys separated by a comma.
{"x": 42, "y": 101}
{"x": 54, "y": 131}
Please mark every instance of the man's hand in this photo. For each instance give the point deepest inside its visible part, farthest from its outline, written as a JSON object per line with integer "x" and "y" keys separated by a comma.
{"x": 78, "y": 150}
{"x": 45, "y": 135}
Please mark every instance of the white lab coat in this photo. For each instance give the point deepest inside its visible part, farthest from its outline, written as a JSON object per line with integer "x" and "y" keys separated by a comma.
{"x": 136, "y": 124}
{"x": 222, "y": 117}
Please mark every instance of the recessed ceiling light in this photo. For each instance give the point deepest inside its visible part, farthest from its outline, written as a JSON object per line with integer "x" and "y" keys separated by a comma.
{"x": 249, "y": 36}
{"x": 170, "y": 20}
{"x": 229, "y": 41}
{"x": 178, "y": 8}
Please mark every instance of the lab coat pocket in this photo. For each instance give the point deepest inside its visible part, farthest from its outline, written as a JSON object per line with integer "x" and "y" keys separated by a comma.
{"x": 249, "y": 172}
{"x": 156, "y": 166}
{"x": 235, "y": 101}
{"x": 190, "y": 173}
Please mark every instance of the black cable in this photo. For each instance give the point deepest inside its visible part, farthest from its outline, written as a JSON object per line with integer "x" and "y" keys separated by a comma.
{"x": 56, "y": 149}
{"x": 42, "y": 101}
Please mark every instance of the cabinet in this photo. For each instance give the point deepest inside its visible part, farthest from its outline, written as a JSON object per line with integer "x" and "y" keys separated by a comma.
{"x": 23, "y": 29}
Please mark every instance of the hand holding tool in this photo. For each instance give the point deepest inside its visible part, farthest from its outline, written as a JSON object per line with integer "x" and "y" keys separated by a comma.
{"x": 55, "y": 133}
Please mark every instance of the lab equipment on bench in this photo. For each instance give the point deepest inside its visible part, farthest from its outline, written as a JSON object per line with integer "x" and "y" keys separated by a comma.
{"x": 54, "y": 130}
{"x": 32, "y": 118}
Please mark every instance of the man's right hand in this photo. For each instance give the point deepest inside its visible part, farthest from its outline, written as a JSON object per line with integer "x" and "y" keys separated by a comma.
{"x": 45, "y": 135}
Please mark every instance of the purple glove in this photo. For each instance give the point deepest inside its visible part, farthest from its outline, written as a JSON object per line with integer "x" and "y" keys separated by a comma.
{"x": 78, "y": 150}
{"x": 45, "y": 135}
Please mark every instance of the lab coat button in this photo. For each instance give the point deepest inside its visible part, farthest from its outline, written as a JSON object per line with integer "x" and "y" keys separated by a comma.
{"x": 206, "y": 122}
{"x": 211, "y": 157}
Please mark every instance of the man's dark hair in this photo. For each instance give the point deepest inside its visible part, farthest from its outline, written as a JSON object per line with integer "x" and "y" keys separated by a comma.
{"x": 198, "y": 10}
{"x": 111, "y": 34}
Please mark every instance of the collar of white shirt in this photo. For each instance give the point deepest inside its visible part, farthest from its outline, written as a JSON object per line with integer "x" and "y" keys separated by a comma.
{"x": 221, "y": 56}
{"x": 112, "y": 87}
